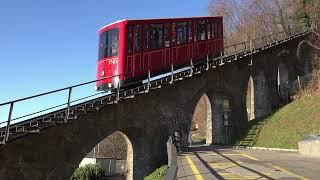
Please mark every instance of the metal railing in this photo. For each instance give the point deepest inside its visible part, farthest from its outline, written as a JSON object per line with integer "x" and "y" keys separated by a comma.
{"x": 230, "y": 53}
{"x": 172, "y": 160}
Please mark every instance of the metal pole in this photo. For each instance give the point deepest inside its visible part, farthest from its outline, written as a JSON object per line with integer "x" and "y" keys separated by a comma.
{"x": 68, "y": 105}
{"x": 6, "y": 136}
{"x": 221, "y": 59}
{"x": 118, "y": 90}
{"x": 191, "y": 66}
{"x": 148, "y": 86}
{"x": 171, "y": 74}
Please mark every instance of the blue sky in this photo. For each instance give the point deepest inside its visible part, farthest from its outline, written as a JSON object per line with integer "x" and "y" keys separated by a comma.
{"x": 50, "y": 44}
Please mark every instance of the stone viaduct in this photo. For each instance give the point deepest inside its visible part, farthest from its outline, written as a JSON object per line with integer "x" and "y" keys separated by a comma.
{"x": 148, "y": 119}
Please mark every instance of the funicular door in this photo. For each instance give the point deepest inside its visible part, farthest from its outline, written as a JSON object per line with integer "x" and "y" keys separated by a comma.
{"x": 174, "y": 55}
{"x": 137, "y": 53}
{"x": 156, "y": 50}
{"x": 190, "y": 40}
{"x": 167, "y": 44}
{"x": 129, "y": 73}
{"x": 213, "y": 39}
{"x": 146, "y": 56}
{"x": 209, "y": 39}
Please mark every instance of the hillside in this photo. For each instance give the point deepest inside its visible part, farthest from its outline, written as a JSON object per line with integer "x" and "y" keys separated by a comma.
{"x": 287, "y": 126}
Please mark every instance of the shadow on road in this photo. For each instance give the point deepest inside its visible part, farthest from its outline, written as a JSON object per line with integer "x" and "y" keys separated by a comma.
{"x": 218, "y": 149}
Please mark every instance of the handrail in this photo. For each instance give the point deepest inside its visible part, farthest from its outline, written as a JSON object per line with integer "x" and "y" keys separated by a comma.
{"x": 54, "y": 107}
{"x": 58, "y": 90}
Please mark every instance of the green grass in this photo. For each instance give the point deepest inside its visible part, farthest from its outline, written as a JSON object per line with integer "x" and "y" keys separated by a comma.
{"x": 158, "y": 173}
{"x": 196, "y": 137}
{"x": 284, "y": 128}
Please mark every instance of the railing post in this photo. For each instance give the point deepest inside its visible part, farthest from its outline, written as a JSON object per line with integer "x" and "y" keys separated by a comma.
{"x": 118, "y": 90}
{"x": 171, "y": 74}
{"x": 6, "y": 136}
{"x": 191, "y": 66}
{"x": 221, "y": 59}
{"x": 68, "y": 105}
{"x": 251, "y": 53}
{"x": 148, "y": 85}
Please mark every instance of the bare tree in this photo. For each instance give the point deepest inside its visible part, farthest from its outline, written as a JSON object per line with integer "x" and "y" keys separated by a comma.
{"x": 114, "y": 146}
{"x": 249, "y": 19}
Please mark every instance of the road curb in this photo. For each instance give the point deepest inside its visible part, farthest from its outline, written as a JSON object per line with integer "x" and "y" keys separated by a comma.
{"x": 266, "y": 148}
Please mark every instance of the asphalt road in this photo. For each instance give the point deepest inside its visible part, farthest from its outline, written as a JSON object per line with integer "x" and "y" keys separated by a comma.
{"x": 212, "y": 162}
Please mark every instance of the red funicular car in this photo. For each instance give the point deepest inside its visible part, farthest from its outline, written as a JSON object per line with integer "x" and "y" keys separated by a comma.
{"x": 128, "y": 49}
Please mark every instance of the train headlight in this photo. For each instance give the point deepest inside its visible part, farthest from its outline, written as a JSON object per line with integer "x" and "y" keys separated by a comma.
{"x": 103, "y": 73}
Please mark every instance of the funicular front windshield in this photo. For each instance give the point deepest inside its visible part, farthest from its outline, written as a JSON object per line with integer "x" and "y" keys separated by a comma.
{"x": 108, "y": 43}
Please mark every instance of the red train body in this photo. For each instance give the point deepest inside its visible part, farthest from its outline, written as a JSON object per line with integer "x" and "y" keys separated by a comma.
{"x": 129, "y": 48}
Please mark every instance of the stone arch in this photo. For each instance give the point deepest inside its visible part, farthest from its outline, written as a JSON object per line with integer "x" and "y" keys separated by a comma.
{"x": 305, "y": 57}
{"x": 129, "y": 159}
{"x": 203, "y": 118}
{"x": 220, "y": 104}
{"x": 118, "y": 148}
{"x": 250, "y": 99}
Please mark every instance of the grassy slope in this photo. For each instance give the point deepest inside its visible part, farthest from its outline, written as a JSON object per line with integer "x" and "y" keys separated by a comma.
{"x": 287, "y": 126}
{"x": 158, "y": 174}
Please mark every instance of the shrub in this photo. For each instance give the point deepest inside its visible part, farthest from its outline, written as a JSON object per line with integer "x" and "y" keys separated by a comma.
{"x": 88, "y": 172}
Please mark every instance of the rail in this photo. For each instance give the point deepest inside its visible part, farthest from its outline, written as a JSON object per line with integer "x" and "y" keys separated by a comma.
{"x": 230, "y": 53}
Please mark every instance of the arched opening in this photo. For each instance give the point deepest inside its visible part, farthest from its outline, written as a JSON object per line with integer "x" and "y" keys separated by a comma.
{"x": 250, "y": 99}
{"x": 201, "y": 125}
{"x": 114, "y": 154}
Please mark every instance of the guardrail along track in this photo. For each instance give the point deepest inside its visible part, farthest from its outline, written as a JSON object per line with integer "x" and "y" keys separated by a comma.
{"x": 34, "y": 125}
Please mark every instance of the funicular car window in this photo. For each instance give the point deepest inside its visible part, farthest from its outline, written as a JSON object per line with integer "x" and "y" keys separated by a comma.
{"x": 213, "y": 25}
{"x": 155, "y": 36}
{"x": 109, "y": 43}
{"x": 166, "y": 35}
{"x": 190, "y": 31}
{"x": 102, "y": 45}
{"x": 221, "y": 30}
{"x": 195, "y": 31}
{"x": 181, "y": 33}
{"x": 130, "y": 41}
{"x": 217, "y": 30}
{"x": 137, "y": 37}
{"x": 201, "y": 30}
{"x": 209, "y": 30}
{"x": 173, "y": 30}
{"x": 146, "y": 37}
